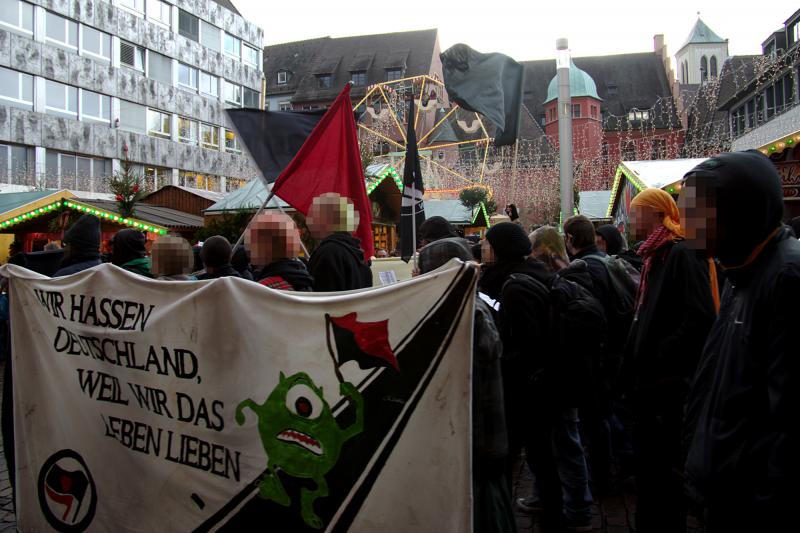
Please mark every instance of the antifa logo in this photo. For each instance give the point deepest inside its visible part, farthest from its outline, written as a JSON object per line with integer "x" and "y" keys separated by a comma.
{"x": 67, "y": 492}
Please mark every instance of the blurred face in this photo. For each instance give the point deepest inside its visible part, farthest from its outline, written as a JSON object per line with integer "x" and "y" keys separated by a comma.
{"x": 699, "y": 216}
{"x": 330, "y": 213}
{"x": 644, "y": 221}
{"x": 601, "y": 243}
{"x": 487, "y": 253}
{"x": 272, "y": 236}
{"x": 171, "y": 255}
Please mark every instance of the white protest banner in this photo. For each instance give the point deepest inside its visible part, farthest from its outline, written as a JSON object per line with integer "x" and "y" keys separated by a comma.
{"x": 144, "y": 405}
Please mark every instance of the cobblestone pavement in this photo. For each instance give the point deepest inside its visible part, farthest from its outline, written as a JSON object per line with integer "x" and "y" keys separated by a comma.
{"x": 8, "y": 520}
{"x": 615, "y": 514}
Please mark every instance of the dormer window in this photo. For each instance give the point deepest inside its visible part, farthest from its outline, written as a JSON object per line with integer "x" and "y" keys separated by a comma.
{"x": 324, "y": 81}
{"x": 283, "y": 77}
{"x": 393, "y": 74}
{"x": 359, "y": 78}
{"x": 639, "y": 116}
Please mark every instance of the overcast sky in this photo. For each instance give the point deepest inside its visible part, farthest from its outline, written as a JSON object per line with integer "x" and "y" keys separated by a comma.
{"x": 525, "y": 29}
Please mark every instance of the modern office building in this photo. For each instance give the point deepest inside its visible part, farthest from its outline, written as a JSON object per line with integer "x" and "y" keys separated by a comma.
{"x": 83, "y": 83}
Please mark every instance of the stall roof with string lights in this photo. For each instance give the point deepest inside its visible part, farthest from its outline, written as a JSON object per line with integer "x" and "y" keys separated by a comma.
{"x": 634, "y": 176}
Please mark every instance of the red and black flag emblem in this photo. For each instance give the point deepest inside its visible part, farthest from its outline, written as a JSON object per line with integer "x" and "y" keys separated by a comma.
{"x": 367, "y": 343}
{"x": 66, "y": 488}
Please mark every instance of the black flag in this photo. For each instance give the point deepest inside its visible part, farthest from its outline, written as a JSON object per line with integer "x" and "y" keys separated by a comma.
{"x": 489, "y": 84}
{"x": 273, "y": 137}
{"x": 413, "y": 189}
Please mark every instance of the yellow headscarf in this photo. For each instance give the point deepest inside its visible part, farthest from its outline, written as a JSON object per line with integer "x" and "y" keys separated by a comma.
{"x": 662, "y": 202}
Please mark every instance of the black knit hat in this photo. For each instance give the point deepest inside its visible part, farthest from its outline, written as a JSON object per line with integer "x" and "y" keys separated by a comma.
{"x": 509, "y": 241}
{"x": 436, "y": 228}
{"x": 84, "y": 234}
{"x": 440, "y": 252}
{"x": 615, "y": 243}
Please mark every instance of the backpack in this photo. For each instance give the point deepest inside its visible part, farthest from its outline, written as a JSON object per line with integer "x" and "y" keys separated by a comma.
{"x": 577, "y": 323}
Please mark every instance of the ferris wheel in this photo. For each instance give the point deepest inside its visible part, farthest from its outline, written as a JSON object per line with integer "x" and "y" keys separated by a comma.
{"x": 453, "y": 143}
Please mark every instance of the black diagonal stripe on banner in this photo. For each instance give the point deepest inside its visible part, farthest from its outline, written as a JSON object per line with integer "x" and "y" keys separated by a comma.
{"x": 389, "y": 402}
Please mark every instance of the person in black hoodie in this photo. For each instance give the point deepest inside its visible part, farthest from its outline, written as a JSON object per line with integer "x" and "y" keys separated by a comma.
{"x": 216, "y": 256}
{"x": 434, "y": 229}
{"x": 81, "y": 246}
{"x": 742, "y": 419}
{"x": 338, "y": 262}
{"x": 524, "y": 325}
{"x": 241, "y": 263}
{"x": 274, "y": 243}
{"x": 675, "y": 307}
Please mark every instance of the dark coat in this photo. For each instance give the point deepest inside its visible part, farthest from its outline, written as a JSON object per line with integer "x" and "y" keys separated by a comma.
{"x": 77, "y": 267}
{"x": 668, "y": 331}
{"x": 291, "y": 271}
{"x": 224, "y": 271}
{"x": 744, "y": 400}
{"x": 338, "y": 264}
{"x": 601, "y": 281}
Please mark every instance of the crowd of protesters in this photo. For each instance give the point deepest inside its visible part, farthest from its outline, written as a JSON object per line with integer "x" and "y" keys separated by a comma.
{"x": 669, "y": 362}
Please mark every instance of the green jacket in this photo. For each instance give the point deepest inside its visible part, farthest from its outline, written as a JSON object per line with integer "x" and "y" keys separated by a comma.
{"x": 139, "y": 266}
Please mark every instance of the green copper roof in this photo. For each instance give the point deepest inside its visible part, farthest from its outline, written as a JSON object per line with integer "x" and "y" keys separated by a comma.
{"x": 702, "y": 34}
{"x": 580, "y": 84}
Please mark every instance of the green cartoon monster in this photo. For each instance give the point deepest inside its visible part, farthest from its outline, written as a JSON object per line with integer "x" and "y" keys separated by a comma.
{"x": 301, "y": 437}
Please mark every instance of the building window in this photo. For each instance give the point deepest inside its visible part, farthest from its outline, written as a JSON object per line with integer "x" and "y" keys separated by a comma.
{"x": 250, "y": 56}
{"x": 157, "y": 177}
{"x": 751, "y": 113}
{"x": 604, "y": 152}
{"x": 794, "y": 33}
{"x": 788, "y": 90}
{"x": 16, "y": 163}
{"x": 96, "y": 43}
{"x": 160, "y": 12}
{"x": 283, "y": 77}
{"x": 209, "y": 84}
{"x": 209, "y": 136}
{"x": 250, "y": 98}
{"x": 61, "y": 100}
{"x": 638, "y": 116}
{"x": 231, "y": 184}
{"x": 197, "y": 180}
{"x": 158, "y": 124}
{"x": 187, "y": 130}
{"x": 359, "y": 78}
{"x": 232, "y": 143}
{"x": 95, "y": 107}
{"x": 770, "y": 91}
{"x": 285, "y": 106}
{"x": 713, "y": 66}
{"x": 393, "y": 74}
{"x": 553, "y": 115}
{"x": 233, "y": 46}
{"x": 131, "y": 56}
{"x": 704, "y": 68}
{"x": 542, "y": 119}
{"x": 187, "y": 77}
{"x": 612, "y": 88}
{"x": 61, "y": 31}
{"x": 188, "y": 25}
{"x": 210, "y": 36}
{"x": 159, "y": 67}
{"x": 232, "y": 93}
{"x": 17, "y": 15}
{"x": 74, "y": 172}
{"x": 16, "y": 89}
{"x": 576, "y": 111}
{"x": 593, "y": 111}
{"x": 134, "y": 5}
{"x": 132, "y": 117}
{"x": 324, "y": 81}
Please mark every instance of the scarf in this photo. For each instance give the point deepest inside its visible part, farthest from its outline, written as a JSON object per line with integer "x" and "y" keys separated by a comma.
{"x": 653, "y": 247}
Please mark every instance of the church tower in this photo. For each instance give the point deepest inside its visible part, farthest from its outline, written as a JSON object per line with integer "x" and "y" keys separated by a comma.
{"x": 701, "y": 57}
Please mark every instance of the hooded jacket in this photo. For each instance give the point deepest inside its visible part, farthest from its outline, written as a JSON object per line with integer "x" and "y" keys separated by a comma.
{"x": 742, "y": 419}
{"x": 338, "y": 264}
{"x": 290, "y": 271}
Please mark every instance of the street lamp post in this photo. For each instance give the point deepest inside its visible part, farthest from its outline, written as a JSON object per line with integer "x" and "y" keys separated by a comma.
{"x": 564, "y": 128}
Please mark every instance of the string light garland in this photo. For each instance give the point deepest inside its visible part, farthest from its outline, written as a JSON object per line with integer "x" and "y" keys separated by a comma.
{"x": 87, "y": 209}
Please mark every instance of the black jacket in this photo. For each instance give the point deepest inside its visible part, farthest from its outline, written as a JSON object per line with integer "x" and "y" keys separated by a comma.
{"x": 291, "y": 270}
{"x": 601, "y": 282}
{"x": 669, "y": 331}
{"x": 222, "y": 272}
{"x": 743, "y": 407}
{"x": 338, "y": 264}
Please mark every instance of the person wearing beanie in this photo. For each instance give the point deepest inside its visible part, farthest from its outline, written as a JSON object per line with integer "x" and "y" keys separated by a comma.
{"x": 674, "y": 310}
{"x": 742, "y": 422}
{"x": 438, "y": 253}
{"x": 216, "y": 256}
{"x": 435, "y": 228}
{"x": 129, "y": 252}
{"x": 81, "y": 246}
{"x": 609, "y": 240}
{"x": 520, "y": 286}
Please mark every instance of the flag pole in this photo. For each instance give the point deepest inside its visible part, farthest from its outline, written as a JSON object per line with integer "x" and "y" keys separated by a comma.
{"x": 414, "y": 224}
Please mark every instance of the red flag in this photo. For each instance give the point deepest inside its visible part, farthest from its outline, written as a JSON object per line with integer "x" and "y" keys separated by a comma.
{"x": 330, "y": 161}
